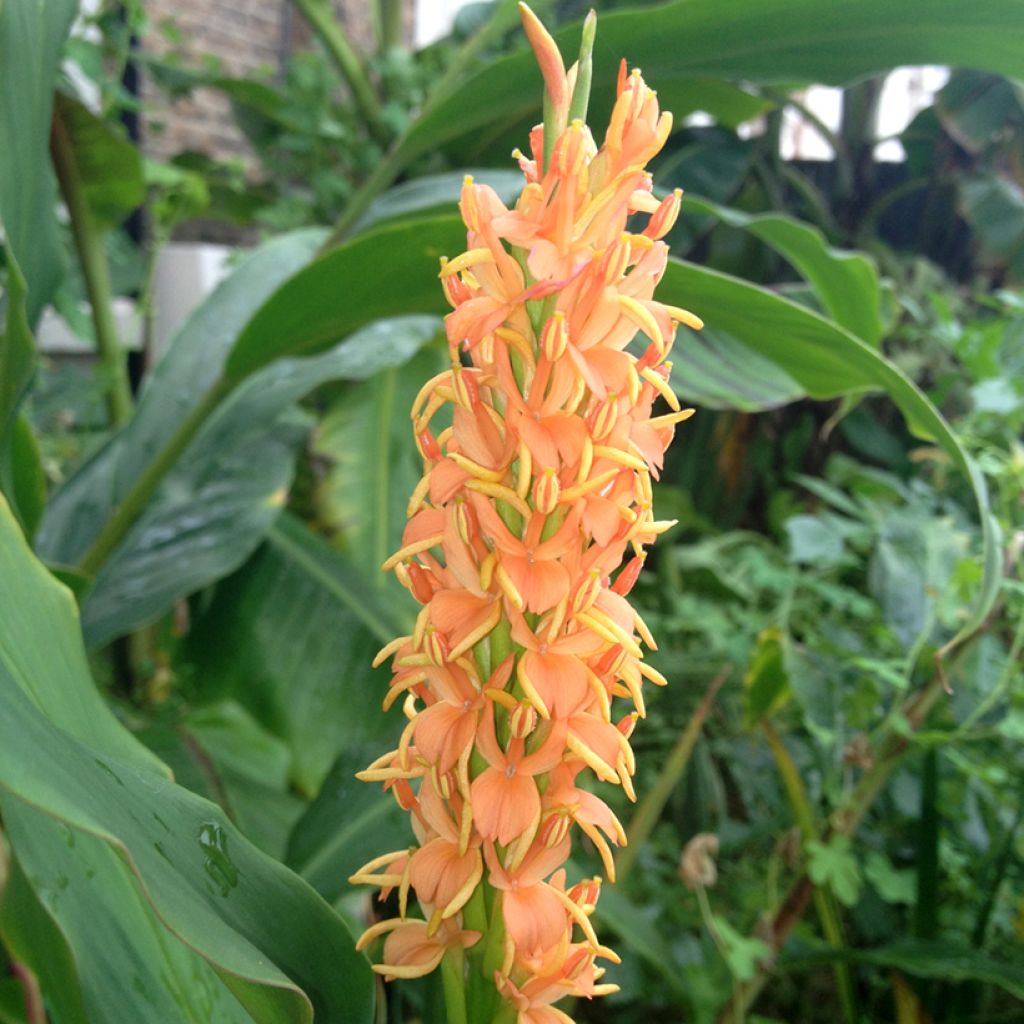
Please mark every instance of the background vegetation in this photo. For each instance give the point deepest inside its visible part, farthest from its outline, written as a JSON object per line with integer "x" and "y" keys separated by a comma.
{"x": 839, "y": 608}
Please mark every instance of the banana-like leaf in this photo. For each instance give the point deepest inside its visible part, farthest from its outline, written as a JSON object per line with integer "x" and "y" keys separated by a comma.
{"x": 291, "y": 637}
{"x": 366, "y": 439}
{"x": 391, "y": 269}
{"x": 107, "y": 165}
{"x": 348, "y": 823}
{"x": 772, "y": 41}
{"x": 31, "y": 38}
{"x": 279, "y": 950}
{"x": 846, "y": 283}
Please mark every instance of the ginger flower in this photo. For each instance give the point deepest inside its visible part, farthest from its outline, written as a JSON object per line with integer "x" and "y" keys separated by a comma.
{"x": 525, "y": 537}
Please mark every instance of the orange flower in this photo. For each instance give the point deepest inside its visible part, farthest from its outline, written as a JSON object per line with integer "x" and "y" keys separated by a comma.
{"x": 530, "y": 501}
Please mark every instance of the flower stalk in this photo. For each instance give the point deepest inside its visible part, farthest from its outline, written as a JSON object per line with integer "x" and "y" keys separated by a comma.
{"x": 524, "y": 538}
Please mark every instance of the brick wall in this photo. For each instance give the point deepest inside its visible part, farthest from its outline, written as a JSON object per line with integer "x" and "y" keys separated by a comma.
{"x": 245, "y": 36}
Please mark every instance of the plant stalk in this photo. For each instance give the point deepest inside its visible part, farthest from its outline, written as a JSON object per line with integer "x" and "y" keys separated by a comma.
{"x": 890, "y": 751}
{"x": 824, "y": 899}
{"x": 129, "y": 510}
{"x": 650, "y": 808}
{"x": 452, "y": 971}
{"x": 321, "y": 19}
{"x": 399, "y": 156}
{"x": 92, "y": 258}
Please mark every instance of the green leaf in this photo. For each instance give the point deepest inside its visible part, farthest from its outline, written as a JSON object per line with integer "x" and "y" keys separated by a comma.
{"x": 716, "y": 371}
{"x": 828, "y": 361}
{"x": 131, "y": 968}
{"x": 846, "y": 283}
{"x": 31, "y": 37}
{"x": 188, "y": 369}
{"x": 438, "y": 193}
{"x": 834, "y": 865}
{"x": 29, "y": 933}
{"x": 775, "y": 41}
{"x": 280, "y": 950}
{"x": 742, "y": 953}
{"x": 108, "y": 165}
{"x": 366, "y": 442}
{"x": 222, "y": 753}
{"x": 384, "y": 273}
{"x": 814, "y": 540}
{"x": 893, "y": 885}
{"x": 348, "y": 824}
{"x": 227, "y": 489}
{"x": 944, "y": 960}
{"x": 24, "y": 480}
{"x": 766, "y": 684}
{"x": 291, "y": 637}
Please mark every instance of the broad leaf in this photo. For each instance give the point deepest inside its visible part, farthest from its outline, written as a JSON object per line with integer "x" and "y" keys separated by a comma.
{"x": 846, "y": 283}
{"x": 31, "y": 935}
{"x": 223, "y": 754}
{"x": 108, "y": 166}
{"x": 219, "y": 500}
{"x": 291, "y": 637}
{"x": 282, "y": 953}
{"x": 943, "y": 960}
{"x": 130, "y": 968}
{"x": 774, "y": 41}
{"x": 384, "y": 273}
{"x": 31, "y": 37}
{"x": 348, "y": 823}
{"x": 190, "y": 366}
{"x": 366, "y": 440}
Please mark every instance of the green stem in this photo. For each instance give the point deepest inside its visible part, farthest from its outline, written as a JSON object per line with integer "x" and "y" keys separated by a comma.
{"x": 134, "y": 503}
{"x": 321, "y": 18}
{"x": 824, "y": 899}
{"x": 890, "y": 752}
{"x": 95, "y": 270}
{"x": 398, "y": 158}
{"x": 383, "y": 175}
{"x": 389, "y": 21}
{"x": 452, "y": 975}
{"x": 650, "y": 808}
{"x": 504, "y": 14}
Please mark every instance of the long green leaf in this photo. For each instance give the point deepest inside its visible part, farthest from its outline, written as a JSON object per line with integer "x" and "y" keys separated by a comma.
{"x": 383, "y": 273}
{"x": 942, "y": 960}
{"x": 828, "y": 361}
{"x": 772, "y": 41}
{"x": 281, "y": 951}
{"x": 349, "y": 822}
{"x": 845, "y": 282}
{"x": 392, "y": 269}
{"x": 31, "y": 38}
{"x": 291, "y": 637}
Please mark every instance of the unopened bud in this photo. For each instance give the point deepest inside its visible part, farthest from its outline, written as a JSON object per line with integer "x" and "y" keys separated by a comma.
{"x": 587, "y": 592}
{"x": 523, "y": 720}
{"x": 419, "y": 582}
{"x": 627, "y": 578}
{"x": 604, "y": 417}
{"x": 546, "y": 491}
{"x": 555, "y": 828}
{"x": 436, "y": 647}
{"x": 428, "y": 445}
{"x": 585, "y": 894}
{"x": 464, "y": 385}
{"x": 664, "y": 218}
{"x": 554, "y": 338}
{"x": 465, "y": 522}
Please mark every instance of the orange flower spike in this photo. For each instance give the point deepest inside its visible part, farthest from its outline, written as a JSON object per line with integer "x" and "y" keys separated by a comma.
{"x": 526, "y": 534}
